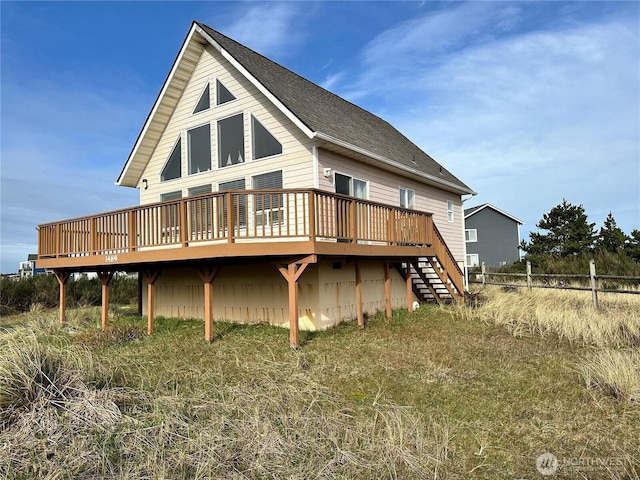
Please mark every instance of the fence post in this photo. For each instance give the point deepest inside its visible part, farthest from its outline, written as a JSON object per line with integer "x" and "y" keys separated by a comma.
{"x": 592, "y": 275}
{"x": 529, "y": 283}
{"x": 483, "y": 273}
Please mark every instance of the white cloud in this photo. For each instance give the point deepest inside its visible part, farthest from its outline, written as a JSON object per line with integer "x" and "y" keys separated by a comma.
{"x": 525, "y": 118}
{"x": 268, "y": 28}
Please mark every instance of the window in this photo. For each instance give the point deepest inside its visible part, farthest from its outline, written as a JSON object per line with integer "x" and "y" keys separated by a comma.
{"x": 407, "y": 198}
{"x": 164, "y": 197}
{"x": 203, "y": 103}
{"x": 347, "y": 185}
{"x": 449, "y": 210}
{"x": 473, "y": 260}
{"x": 231, "y": 141}
{"x": 239, "y": 206}
{"x": 471, "y": 235}
{"x": 223, "y": 95}
{"x": 264, "y": 144}
{"x": 268, "y": 206}
{"x": 199, "y": 190}
{"x": 173, "y": 168}
{"x": 199, "y": 141}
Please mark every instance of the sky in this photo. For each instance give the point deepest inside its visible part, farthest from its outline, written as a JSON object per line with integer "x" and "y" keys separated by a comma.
{"x": 528, "y": 103}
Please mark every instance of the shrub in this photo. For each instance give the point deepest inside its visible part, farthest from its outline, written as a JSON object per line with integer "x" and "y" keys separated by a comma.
{"x": 19, "y": 296}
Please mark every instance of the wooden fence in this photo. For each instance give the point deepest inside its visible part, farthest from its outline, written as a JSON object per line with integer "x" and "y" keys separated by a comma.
{"x": 586, "y": 282}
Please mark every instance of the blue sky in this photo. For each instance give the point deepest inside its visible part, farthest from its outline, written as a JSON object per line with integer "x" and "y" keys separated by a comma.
{"x": 527, "y": 103}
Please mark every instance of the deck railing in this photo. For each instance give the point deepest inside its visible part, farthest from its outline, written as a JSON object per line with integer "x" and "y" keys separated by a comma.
{"x": 241, "y": 216}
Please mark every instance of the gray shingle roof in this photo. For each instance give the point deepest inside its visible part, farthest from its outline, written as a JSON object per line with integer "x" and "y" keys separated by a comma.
{"x": 324, "y": 112}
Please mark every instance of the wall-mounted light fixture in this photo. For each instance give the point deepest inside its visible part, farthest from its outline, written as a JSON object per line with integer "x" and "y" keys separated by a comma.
{"x": 145, "y": 183}
{"x": 327, "y": 172}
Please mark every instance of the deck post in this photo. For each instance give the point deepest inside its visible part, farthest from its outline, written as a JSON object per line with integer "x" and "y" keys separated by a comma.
{"x": 151, "y": 276}
{"x": 409, "y": 288}
{"x": 292, "y": 273}
{"x": 105, "y": 278}
{"x": 359, "y": 309}
{"x": 208, "y": 273}
{"x": 387, "y": 290}
{"x": 62, "y": 278}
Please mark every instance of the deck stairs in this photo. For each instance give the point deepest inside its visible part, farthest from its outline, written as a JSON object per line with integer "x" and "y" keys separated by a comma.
{"x": 431, "y": 282}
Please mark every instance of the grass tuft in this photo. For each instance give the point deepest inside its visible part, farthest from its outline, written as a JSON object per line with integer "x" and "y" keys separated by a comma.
{"x": 615, "y": 372}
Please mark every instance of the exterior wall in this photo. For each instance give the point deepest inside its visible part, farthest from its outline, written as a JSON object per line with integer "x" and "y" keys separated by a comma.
{"x": 246, "y": 294}
{"x": 383, "y": 186}
{"x": 337, "y": 290}
{"x": 498, "y": 238}
{"x": 295, "y": 161}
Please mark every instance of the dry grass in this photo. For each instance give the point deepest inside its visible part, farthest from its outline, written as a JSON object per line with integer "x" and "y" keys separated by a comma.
{"x": 428, "y": 395}
{"x": 615, "y": 372}
{"x": 566, "y": 314}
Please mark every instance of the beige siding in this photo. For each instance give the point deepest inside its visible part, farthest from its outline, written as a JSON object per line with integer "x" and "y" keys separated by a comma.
{"x": 246, "y": 294}
{"x": 383, "y": 186}
{"x": 295, "y": 161}
{"x": 337, "y": 290}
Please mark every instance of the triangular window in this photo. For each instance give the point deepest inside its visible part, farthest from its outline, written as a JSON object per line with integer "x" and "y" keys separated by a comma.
{"x": 264, "y": 144}
{"x": 173, "y": 168}
{"x": 203, "y": 103}
{"x": 223, "y": 95}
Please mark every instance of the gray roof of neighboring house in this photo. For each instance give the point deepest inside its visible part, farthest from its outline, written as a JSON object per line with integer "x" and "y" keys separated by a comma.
{"x": 472, "y": 210}
{"x": 324, "y": 112}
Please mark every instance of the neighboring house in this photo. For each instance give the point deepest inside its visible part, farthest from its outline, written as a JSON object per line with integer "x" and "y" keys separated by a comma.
{"x": 266, "y": 198}
{"x": 492, "y": 236}
{"x": 28, "y": 268}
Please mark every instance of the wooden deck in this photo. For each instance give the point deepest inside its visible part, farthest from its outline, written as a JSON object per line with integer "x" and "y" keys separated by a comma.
{"x": 293, "y": 227}
{"x": 240, "y": 224}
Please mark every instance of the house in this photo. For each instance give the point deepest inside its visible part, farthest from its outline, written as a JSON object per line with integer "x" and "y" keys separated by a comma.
{"x": 492, "y": 236}
{"x": 28, "y": 268}
{"x": 266, "y": 198}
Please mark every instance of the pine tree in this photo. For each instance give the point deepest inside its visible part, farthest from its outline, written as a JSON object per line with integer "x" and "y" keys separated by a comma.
{"x": 632, "y": 248}
{"x": 568, "y": 232}
{"x": 611, "y": 238}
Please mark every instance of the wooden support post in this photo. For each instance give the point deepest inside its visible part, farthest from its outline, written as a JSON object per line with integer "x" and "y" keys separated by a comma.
{"x": 409, "y": 288}
{"x": 105, "y": 278}
{"x": 291, "y": 273}
{"x": 387, "y": 290}
{"x": 62, "y": 277}
{"x": 208, "y": 273}
{"x": 359, "y": 309}
{"x": 150, "y": 277}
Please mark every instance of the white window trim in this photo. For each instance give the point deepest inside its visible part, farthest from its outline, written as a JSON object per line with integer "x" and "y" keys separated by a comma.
{"x": 253, "y": 159}
{"x": 200, "y": 96}
{"x": 215, "y": 94}
{"x": 164, "y": 182}
{"x": 406, "y": 193}
{"x": 366, "y": 183}
{"x": 217, "y": 142}
{"x": 469, "y": 230}
{"x": 471, "y": 256}
{"x": 188, "y": 150}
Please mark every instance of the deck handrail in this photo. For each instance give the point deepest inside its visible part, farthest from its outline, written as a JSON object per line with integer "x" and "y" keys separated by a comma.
{"x": 245, "y": 215}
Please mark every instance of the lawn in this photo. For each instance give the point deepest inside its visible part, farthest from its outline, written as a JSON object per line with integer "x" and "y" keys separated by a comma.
{"x": 444, "y": 392}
